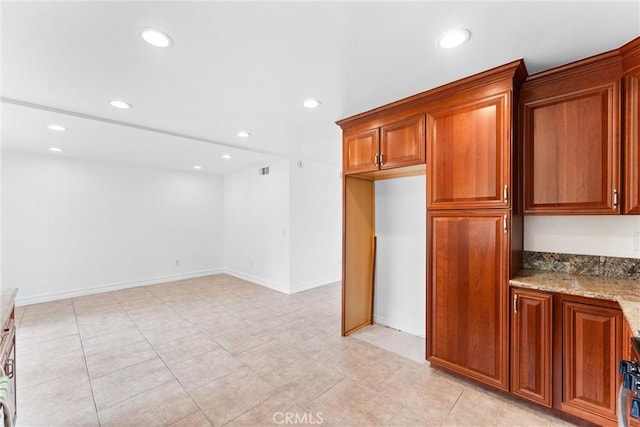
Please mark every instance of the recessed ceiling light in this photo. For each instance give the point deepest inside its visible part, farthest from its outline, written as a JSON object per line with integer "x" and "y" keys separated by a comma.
{"x": 197, "y": 167}
{"x": 453, "y": 38}
{"x": 156, "y": 38}
{"x": 244, "y": 134}
{"x": 120, "y": 104}
{"x": 226, "y": 156}
{"x": 57, "y": 128}
{"x": 311, "y": 103}
{"x": 55, "y": 149}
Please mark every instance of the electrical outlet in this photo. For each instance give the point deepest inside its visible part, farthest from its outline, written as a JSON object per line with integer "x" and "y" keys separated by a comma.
{"x": 177, "y": 263}
{"x": 636, "y": 241}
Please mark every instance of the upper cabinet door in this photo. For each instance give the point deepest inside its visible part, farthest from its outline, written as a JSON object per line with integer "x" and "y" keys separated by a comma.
{"x": 571, "y": 138}
{"x": 469, "y": 155}
{"x": 402, "y": 143}
{"x": 632, "y": 146}
{"x": 361, "y": 151}
{"x": 571, "y": 149}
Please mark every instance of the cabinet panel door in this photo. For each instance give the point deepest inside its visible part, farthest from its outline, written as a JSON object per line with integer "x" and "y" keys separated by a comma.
{"x": 571, "y": 152}
{"x": 591, "y": 350}
{"x": 360, "y": 151}
{"x": 469, "y": 154}
{"x": 531, "y": 322}
{"x": 632, "y": 146}
{"x": 467, "y": 294}
{"x": 403, "y": 143}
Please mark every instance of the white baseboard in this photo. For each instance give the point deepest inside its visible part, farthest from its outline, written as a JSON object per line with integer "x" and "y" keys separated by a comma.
{"x": 72, "y": 293}
{"x": 314, "y": 284}
{"x": 386, "y": 322}
{"x": 52, "y": 296}
{"x": 258, "y": 281}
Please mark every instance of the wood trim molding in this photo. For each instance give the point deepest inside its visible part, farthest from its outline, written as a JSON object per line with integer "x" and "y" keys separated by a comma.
{"x": 514, "y": 71}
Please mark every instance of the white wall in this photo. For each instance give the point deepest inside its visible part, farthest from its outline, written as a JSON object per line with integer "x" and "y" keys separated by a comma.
{"x": 256, "y": 225}
{"x": 72, "y": 227}
{"x": 400, "y": 280}
{"x": 283, "y": 230}
{"x": 605, "y": 235}
{"x": 316, "y": 225}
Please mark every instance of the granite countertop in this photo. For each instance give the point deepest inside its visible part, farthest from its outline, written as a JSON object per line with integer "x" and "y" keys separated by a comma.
{"x": 625, "y": 292}
{"x": 7, "y": 299}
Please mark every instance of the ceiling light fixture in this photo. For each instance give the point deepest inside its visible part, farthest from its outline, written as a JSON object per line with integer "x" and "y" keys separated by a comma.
{"x": 55, "y": 149}
{"x": 155, "y": 37}
{"x": 453, "y": 38}
{"x": 120, "y": 104}
{"x": 244, "y": 134}
{"x": 57, "y": 128}
{"x": 311, "y": 103}
{"x": 197, "y": 167}
{"x": 226, "y": 156}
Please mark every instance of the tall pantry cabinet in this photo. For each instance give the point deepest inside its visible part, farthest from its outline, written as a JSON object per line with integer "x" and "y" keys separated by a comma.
{"x": 474, "y": 230}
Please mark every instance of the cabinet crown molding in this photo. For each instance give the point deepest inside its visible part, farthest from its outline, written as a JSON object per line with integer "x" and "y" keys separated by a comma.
{"x": 515, "y": 71}
{"x": 630, "y": 54}
{"x": 598, "y": 67}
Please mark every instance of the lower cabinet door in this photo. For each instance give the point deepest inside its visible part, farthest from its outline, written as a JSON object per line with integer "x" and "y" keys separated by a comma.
{"x": 531, "y": 323}
{"x": 467, "y": 294}
{"x": 592, "y": 346}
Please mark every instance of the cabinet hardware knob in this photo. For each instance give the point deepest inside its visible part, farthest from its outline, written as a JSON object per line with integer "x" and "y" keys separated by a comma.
{"x": 515, "y": 303}
{"x": 505, "y": 193}
{"x": 615, "y": 198}
{"x": 504, "y": 223}
{"x": 381, "y": 159}
{"x": 375, "y": 159}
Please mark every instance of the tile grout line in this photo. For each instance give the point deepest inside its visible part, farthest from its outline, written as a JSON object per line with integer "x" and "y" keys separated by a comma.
{"x": 163, "y": 361}
{"x": 86, "y": 366}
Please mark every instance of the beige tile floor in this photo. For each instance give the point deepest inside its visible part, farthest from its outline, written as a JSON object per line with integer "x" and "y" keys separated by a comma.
{"x": 221, "y": 351}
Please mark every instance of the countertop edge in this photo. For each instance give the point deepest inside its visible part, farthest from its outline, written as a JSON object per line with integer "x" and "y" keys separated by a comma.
{"x": 546, "y": 281}
{"x": 7, "y": 301}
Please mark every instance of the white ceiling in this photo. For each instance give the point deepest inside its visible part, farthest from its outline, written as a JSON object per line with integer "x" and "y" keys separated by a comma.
{"x": 249, "y": 65}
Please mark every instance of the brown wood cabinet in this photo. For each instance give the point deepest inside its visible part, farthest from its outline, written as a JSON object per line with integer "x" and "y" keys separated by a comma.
{"x": 392, "y": 145}
{"x": 591, "y": 348}
{"x": 468, "y": 294}
{"x": 571, "y": 137}
{"x": 631, "y": 64}
{"x": 470, "y": 124}
{"x": 360, "y": 151}
{"x": 469, "y": 152}
{"x": 473, "y": 236}
{"x": 531, "y": 361}
{"x": 632, "y": 148}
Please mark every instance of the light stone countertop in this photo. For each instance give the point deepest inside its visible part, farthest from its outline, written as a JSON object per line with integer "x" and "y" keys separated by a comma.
{"x": 7, "y": 299}
{"x": 626, "y": 292}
